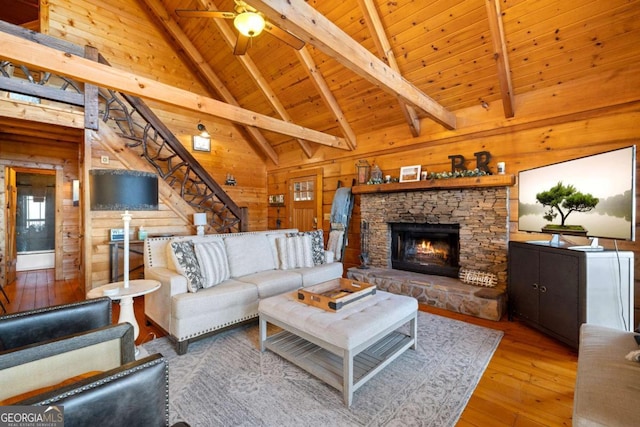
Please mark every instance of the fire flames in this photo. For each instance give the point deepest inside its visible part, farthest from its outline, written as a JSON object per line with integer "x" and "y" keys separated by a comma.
{"x": 427, "y": 250}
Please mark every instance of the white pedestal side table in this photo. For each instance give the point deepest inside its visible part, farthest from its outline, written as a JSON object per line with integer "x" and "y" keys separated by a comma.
{"x": 116, "y": 291}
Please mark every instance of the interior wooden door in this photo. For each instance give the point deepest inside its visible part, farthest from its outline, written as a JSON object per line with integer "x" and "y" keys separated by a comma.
{"x": 305, "y": 199}
{"x": 11, "y": 248}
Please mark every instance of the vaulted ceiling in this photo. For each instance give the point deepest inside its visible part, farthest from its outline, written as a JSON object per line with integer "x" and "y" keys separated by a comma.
{"x": 371, "y": 64}
{"x": 452, "y": 54}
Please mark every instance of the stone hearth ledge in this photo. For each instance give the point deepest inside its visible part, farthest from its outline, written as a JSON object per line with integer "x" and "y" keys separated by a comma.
{"x": 442, "y": 292}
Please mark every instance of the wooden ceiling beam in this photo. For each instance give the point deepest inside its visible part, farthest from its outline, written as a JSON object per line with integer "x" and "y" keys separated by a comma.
{"x": 182, "y": 42}
{"x": 380, "y": 39}
{"x": 31, "y": 54}
{"x": 501, "y": 57}
{"x": 327, "y": 96}
{"x": 306, "y": 23}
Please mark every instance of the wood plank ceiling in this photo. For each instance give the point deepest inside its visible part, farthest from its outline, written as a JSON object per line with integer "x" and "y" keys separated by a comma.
{"x": 437, "y": 57}
{"x": 459, "y": 54}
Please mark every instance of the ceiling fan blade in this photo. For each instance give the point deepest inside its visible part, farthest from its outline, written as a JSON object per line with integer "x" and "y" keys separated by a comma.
{"x": 283, "y": 35}
{"x": 190, "y": 13}
{"x": 241, "y": 45}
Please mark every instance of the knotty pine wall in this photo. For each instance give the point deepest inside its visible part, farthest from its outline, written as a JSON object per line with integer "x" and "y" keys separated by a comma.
{"x": 552, "y": 125}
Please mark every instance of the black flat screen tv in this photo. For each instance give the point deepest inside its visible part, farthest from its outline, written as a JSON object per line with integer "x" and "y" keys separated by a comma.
{"x": 591, "y": 196}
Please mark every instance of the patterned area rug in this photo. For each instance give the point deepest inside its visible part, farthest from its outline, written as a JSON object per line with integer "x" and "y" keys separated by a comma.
{"x": 224, "y": 380}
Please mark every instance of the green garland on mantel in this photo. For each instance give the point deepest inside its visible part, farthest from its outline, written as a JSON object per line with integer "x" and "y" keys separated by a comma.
{"x": 438, "y": 175}
{"x": 458, "y": 174}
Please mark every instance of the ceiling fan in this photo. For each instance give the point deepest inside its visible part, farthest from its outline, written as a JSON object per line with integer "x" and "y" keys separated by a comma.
{"x": 249, "y": 23}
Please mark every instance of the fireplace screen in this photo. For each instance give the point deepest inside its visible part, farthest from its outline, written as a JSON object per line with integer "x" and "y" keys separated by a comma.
{"x": 426, "y": 248}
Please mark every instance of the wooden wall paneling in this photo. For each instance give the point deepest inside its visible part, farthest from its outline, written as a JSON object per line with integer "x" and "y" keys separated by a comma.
{"x": 123, "y": 34}
{"x": 18, "y": 110}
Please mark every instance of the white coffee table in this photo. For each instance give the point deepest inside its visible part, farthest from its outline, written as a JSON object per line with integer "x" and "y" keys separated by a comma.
{"x": 116, "y": 291}
{"x": 364, "y": 336}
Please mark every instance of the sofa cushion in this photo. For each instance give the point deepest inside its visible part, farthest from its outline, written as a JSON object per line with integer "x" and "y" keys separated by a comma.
{"x": 212, "y": 258}
{"x": 248, "y": 254}
{"x": 273, "y": 282}
{"x": 317, "y": 244}
{"x": 186, "y": 263}
{"x": 294, "y": 252}
{"x": 211, "y": 300}
{"x": 320, "y": 273}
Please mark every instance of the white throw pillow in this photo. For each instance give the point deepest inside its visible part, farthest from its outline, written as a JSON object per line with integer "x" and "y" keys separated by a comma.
{"x": 212, "y": 258}
{"x": 295, "y": 252}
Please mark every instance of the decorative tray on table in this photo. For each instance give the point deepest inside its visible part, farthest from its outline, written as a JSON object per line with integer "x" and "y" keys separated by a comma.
{"x": 335, "y": 294}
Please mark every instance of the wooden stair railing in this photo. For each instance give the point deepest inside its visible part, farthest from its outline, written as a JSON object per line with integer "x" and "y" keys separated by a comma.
{"x": 147, "y": 136}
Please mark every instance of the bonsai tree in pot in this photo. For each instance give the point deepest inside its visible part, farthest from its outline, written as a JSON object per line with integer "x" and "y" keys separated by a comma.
{"x": 563, "y": 200}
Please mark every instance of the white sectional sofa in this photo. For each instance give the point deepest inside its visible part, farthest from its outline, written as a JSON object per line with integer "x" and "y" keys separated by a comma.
{"x": 215, "y": 281}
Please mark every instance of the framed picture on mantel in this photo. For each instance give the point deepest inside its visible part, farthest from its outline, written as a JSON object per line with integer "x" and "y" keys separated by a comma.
{"x": 410, "y": 173}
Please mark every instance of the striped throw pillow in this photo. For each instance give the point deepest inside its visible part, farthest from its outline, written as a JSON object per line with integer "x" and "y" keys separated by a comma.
{"x": 212, "y": 258}
{"x": 294, "y": 252}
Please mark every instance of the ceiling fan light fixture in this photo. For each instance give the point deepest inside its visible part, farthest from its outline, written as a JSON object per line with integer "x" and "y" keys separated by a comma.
{"x": 250, "y": 24}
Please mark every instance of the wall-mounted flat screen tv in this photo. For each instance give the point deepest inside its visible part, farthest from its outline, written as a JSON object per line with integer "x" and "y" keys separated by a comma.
{"x": 591, "y": 196}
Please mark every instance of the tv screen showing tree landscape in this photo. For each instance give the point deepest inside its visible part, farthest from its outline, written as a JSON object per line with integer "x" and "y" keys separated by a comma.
{"x": 591, "y": 196}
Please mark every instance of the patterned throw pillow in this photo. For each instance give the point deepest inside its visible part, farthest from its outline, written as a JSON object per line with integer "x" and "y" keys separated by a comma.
{"x": 184, "y": 258}
{"x": 294, "y": 252}
{"x": 478, "y": 278}
{"x": 212, "y": 258}
{"x": 317, "y": 244}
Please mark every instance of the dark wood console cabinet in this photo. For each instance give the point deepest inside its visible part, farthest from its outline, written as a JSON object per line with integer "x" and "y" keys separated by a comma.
{"x": 557, "y": 289}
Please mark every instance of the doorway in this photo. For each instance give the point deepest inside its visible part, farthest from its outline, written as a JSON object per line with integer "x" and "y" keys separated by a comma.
{"x": 305, "y": 195}
{"x": 34, "y": 219}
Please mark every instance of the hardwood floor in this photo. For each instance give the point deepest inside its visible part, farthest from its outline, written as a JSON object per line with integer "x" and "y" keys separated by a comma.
{"x": 529, "y": 381}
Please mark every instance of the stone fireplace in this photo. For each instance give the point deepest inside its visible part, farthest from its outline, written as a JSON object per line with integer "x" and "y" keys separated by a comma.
{"x": 479, "y": 213}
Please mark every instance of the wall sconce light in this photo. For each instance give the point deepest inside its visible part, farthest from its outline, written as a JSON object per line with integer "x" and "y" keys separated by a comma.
{"x": 200, "y": 220}
{"x": 202, "y": 142}
{"x": 75, "y": 192}
{"x": 203, "y": 131}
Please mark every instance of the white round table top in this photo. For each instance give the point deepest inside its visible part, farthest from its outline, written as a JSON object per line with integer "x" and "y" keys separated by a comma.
{"x": 117, "y": 291}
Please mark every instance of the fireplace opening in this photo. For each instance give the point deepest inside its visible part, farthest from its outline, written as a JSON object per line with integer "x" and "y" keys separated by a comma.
{"x": 426, "y": 248}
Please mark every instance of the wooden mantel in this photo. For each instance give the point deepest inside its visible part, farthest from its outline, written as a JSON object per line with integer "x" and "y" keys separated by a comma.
{"x": 438, "y": 184}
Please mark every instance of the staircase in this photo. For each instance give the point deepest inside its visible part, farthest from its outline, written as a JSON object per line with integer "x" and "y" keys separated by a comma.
{"x": 141, "y": 131}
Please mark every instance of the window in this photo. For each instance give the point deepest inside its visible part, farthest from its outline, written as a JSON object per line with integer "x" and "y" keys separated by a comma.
{"x": 303, "y": 191}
